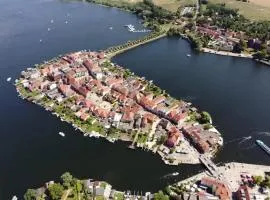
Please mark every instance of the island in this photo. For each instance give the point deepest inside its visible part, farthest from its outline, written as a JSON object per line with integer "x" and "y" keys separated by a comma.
{"x": 102, "y": 99}
{"x": 247, "y": 181}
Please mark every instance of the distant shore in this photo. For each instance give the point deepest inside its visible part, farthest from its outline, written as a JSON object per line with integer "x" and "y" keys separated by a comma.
{"x": 226, "y": 53}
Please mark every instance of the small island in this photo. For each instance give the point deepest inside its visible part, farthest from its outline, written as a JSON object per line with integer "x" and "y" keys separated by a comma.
{"x": 102, "y": 99}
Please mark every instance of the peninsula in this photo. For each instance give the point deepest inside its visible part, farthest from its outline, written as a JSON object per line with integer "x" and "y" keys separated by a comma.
{"x": 103, "y": 99}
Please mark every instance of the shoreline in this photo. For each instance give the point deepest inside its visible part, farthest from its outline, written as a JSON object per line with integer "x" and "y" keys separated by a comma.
{"x": 231, "y": 171}
{"x": 225, "y": 53}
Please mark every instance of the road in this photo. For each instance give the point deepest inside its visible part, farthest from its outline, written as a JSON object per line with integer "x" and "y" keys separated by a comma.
{"x": 214, "y": 170}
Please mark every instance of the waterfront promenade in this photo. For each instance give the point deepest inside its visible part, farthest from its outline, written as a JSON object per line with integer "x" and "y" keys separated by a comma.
{"x": 231, "y": 172}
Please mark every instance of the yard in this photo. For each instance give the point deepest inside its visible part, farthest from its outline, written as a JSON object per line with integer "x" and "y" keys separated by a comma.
{"x": 254, "y": 10}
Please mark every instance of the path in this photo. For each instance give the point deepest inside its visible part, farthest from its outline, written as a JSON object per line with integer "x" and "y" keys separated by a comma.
{"x": 113, "y": 51}
{"x": 65, "y": 195}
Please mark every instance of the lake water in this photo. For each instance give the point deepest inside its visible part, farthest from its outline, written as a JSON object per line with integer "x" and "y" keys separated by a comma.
{"x": 235, "y": 92}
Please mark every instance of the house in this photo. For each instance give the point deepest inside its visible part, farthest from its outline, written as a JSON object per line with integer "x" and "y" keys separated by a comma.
{"x": 84, "y": 116}
{"x": 121, "y": 89}
{"x": 243, "y": 193}
{"x": 194, "y": 135}
{"x": 127, "y": 116}
{"x": 66, "y": 90}
{"x": 217, "y": 188}
{"x": 173, "y": 137}
{"x": 93, "y": 69}
{"x": 254, "y": 44}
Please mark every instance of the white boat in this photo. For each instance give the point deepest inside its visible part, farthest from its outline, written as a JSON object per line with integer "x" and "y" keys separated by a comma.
{"x": 175, "y": 174}
{"x": 66, "y": 22}
{"x": 188, "y": 55}
{"x": 51, "y": 20}
{"x": 49, "y": 29}
{"x": 111, "y": 28}
{"x": 14, "y": 198}
{"x": 8, "y": 79}
{"x": 62, "y": 134}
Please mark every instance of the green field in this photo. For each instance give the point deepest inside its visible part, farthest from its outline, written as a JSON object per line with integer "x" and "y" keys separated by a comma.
{"x": 251, "y": 11}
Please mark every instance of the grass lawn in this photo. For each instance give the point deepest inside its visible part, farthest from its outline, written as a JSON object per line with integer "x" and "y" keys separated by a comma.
{"x": 171, "y": 5}
{"x": 254, "y": 10}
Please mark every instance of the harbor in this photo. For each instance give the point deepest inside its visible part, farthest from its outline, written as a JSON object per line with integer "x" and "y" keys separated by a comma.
{"x": 131, "y": 28}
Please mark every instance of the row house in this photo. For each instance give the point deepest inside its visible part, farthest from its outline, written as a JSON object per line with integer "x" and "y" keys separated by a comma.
{"x": 93, "y": 69}
{"x": 55, "y": 76}
{"x": 34, "y": 85}
{"x": 111, "y": 81}
{"x": 121, "y": 89}
{"x": 66, "y": 90}
{"x": 207, "y": 31}
{"x": 148, "y": 119}
{"x": 80, "y": 72}
{"x": 177, "y": 116}
{"x": 101, "y": 113}
{"x": 82, "y": 90}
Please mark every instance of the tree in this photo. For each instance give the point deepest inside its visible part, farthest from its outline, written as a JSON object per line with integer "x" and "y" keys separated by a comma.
{"x": 205, "y": 118}
{"x": 266, "y": 182}
{"x": 67, "y": 179}
{"x": 30, "y": 194}
{"x": 258, "y": 180}
{"x": 55, "y": 191}
{"x": 160, "y": 196}
{"x": 243, "y": 44}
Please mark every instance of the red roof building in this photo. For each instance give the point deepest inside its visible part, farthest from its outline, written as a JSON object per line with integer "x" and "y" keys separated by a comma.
{"x": 173, "y": 137}
{"x": 218, "y": 188}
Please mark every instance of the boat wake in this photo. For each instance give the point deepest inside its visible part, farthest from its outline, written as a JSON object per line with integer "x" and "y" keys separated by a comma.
{"x": 250, "y": 147}
{"x": 189, "y": 98}
{"x": 170, "y": 175}
{"x": 264, "y": 133}
{"x": 241, "y": 140}
{"x": 244, "y": 139}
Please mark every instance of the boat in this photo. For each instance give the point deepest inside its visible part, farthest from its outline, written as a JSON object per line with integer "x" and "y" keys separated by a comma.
{"x": 111, "y": 28}
{"x": 188, "y": 55}
{"x": 14, "y": 198}
{"x": 62, "y": 134}
{"x": 263, "y": 146}
{"x": 8, "y": 79}
{"x": 175, "y": 174}
{"x": 171, "y": 174}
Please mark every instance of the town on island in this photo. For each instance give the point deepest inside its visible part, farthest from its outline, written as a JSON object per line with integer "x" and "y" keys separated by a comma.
{"x": 102, "y": 99}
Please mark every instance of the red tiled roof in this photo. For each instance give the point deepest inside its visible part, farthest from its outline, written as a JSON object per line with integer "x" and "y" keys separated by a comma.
{"x": 218, "y": 188}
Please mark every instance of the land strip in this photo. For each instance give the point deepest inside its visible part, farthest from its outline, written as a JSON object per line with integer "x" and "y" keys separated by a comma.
{"x": 102, "y": 99}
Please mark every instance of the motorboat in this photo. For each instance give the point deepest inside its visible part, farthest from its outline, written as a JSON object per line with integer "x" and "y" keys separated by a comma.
{"x": 62, "y": 134}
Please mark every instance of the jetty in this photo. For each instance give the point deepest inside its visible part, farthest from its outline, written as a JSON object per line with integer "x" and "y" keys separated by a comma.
{"x": 115, "y": 50}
